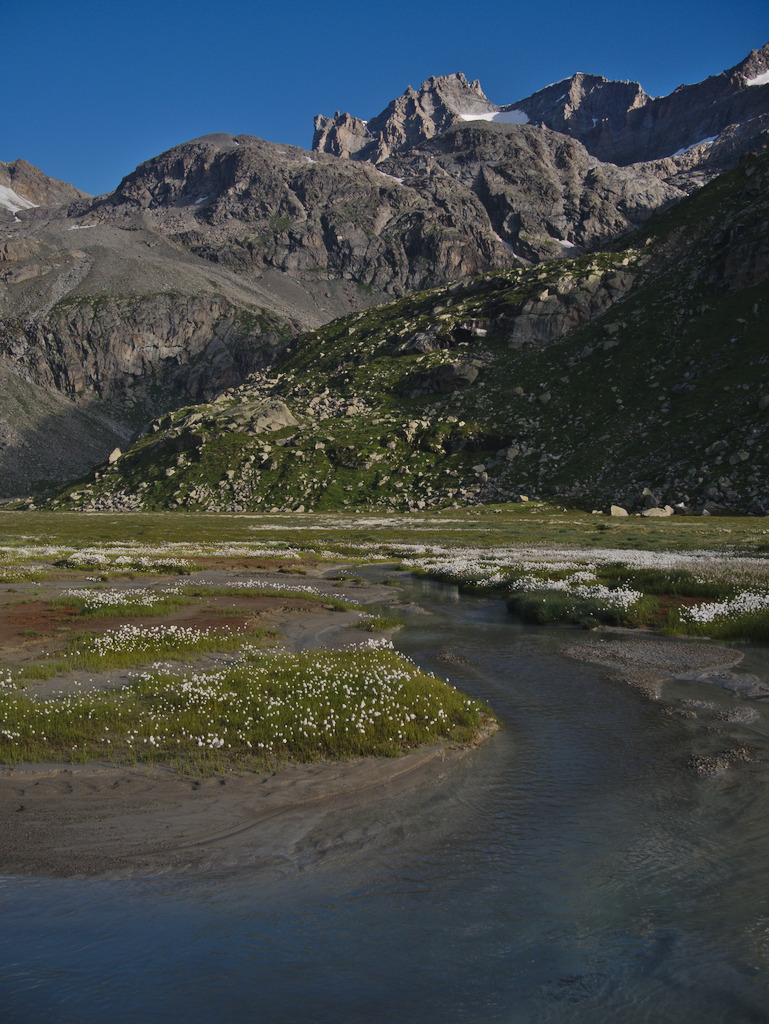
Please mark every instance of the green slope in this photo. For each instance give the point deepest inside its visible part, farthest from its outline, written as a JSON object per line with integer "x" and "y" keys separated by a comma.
{"x": 587, "y": 380}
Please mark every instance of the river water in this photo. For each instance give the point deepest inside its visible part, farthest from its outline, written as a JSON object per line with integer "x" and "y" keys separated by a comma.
{"x": 578, "y": 867}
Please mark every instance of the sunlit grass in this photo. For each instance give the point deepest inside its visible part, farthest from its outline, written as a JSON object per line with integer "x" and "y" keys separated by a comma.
{"x": 481, "y": 526}
{"x": 377, "y": 623}
{"x": 270, "y": 707}
{"x": 130, "y": 646}
{"x": 309, "y": 594}
{"x": 749, "y": 626}
{"x": 118, "y": 604}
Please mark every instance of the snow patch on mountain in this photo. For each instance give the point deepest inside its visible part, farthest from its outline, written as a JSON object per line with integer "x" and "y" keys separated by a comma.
{"x": 762, "y": 79}
{"x": 702, "y": 142}
{"x": 500, "y": 116}
{"x": 390, "y": 176}
{"x": 12, "y": 201}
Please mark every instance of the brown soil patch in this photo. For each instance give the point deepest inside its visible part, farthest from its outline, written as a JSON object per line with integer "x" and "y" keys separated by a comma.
{"x": 292, "y": 568}
{"x": 668, "y": 603}
{"x": 29, "y": 631}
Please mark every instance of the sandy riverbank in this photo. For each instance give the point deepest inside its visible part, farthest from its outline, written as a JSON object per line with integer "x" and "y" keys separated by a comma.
{"x": 85, "y": 821}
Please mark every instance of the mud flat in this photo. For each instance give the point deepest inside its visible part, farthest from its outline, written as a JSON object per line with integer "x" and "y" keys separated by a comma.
{"x": 647, "y": 661}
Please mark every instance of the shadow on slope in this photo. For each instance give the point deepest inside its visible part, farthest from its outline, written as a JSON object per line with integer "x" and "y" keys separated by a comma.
{"x": 45, "y": 439}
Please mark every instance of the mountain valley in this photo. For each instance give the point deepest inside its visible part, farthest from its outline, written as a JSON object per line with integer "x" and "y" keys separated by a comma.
{"x": 454, "y": 302}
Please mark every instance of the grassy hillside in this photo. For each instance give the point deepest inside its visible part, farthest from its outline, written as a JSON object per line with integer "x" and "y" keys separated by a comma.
{"x": 638, "y": 376}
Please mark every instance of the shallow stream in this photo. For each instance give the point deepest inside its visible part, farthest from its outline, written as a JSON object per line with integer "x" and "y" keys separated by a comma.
{"x": 599, "y": 860}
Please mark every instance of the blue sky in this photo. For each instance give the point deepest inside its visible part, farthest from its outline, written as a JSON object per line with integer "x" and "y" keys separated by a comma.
{"x": 93, "y": 88}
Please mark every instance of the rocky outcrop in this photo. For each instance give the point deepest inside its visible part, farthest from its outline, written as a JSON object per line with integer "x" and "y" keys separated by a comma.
{"x": 24, "y": 187}
{"x": 250, "y": 415}
{"x": 249, "y": 205}
{"x": 340, "y": 135}
{"x": 544, "y": 195}
{"x": 440, "y": 380}
{"x": 570, "y": 300}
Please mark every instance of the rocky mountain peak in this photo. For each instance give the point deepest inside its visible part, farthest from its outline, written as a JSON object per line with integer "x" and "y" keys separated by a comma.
{"x": 411, "y": 119}
{"x": 755, "y": 66}
{"x": 183, "y": 174}
{"x": 341, "y": 135}
{"x": 577, "y": 104}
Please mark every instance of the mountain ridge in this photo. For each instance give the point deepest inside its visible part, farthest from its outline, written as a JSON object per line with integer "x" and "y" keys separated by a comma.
{"x": 615, "y": 121}
{"x": 24, "y": 187}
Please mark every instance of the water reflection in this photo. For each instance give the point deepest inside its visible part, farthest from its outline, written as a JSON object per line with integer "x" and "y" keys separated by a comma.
{"x": 584, "y": 865}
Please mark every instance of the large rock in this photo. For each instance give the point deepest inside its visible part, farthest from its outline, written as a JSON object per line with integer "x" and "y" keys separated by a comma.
{"x": 441, "y": 380}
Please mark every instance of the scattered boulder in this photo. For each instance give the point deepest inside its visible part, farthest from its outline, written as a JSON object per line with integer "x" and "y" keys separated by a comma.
{"x": 441, "y": 380}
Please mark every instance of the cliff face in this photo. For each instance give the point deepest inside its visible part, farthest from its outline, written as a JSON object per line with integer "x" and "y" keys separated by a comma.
{"x": 46, "y": 439}
{"x": 135, "y": 352}
{"x": 543, "y": 193}
{"x": 250, "y": 205}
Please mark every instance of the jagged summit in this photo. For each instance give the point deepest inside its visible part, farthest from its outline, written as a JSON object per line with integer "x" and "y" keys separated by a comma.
{"x": 617, "y": 122}
{"x": 414, "y": 117}
{"x": 753, "y": 67}
{"x": 577, "y": 104}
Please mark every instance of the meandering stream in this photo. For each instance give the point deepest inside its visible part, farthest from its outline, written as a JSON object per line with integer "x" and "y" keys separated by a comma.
{"x": 581, "y": 866}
